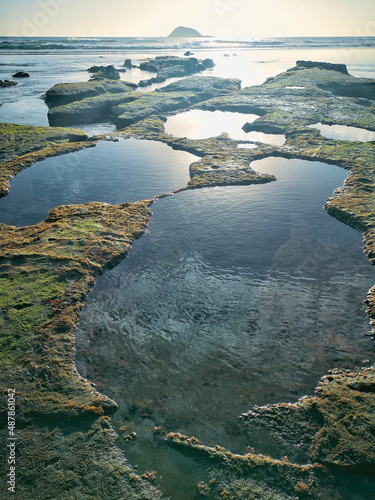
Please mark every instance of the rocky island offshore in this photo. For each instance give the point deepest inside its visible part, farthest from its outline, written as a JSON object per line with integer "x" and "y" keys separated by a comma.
{"x": 67, "y": 445}
{"x": 183, "y": 32}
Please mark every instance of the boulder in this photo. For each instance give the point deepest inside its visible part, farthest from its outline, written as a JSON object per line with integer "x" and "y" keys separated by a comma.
{"x": 188, "y": 53}
{"x": 109, "y": 72}
{"x": 208, "y": 63}
{"x": 128, "y": 63}
{"x": 21, "y": 74}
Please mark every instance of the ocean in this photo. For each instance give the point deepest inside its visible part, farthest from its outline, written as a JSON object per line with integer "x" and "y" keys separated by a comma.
{"x": 56, "y": 60}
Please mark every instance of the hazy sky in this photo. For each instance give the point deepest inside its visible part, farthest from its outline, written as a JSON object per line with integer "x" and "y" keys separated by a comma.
{"x": 221, "y": 18}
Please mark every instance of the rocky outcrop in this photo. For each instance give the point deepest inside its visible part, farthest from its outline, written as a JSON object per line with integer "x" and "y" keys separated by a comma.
{"x": 341, "y": 68}
{"x": 65, "y": 93}
{"x": 92, "y": 101}
{"x": 95, "y": 101}
{"x": 183, "y": 32}
{"x": 317, "y": 93}
{"x": 175, "y": 67}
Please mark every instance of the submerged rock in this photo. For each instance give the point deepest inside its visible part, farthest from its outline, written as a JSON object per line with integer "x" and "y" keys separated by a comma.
{"x": 7, "y": 83}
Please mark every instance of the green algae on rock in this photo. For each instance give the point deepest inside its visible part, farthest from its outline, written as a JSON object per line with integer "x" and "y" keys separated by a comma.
{"x": 65, "y": 93}
{"x": 46, "y": 272}
{"x": 95, "y": 101}
{"x": 248, "y": 476}
{"x": 23, "y": 145}
{"x": 336, "y": 424}
{"x": 174, "y": 97}
{"x": 302, "y": 96}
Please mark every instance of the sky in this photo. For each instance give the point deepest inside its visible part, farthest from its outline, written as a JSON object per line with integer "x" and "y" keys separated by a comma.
{"x": 220, "y": 18}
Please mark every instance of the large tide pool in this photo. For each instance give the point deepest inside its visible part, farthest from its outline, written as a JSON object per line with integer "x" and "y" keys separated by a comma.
{"x": 235, "y": 297}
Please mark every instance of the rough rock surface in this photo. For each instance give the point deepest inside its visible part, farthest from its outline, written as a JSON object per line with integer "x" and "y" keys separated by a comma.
{"x": 303, "y": 96}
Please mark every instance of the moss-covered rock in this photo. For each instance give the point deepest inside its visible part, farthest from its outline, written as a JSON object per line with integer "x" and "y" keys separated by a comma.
{"x": 172, "y": 66}
{"x": 302, "y": 96}
{"x": 65, "y": 93}
{"x": 23, "y": 145}
{"x": 46, "y": 271}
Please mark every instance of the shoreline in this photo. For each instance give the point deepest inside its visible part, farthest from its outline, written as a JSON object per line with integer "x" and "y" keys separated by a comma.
{"x": 102, "y": 234}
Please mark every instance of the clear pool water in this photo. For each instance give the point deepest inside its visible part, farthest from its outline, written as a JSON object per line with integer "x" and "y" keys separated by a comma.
{"x": 236, "y": 296}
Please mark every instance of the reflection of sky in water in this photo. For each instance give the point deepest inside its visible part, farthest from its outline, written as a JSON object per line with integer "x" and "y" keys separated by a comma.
{"x": 344, "y": 133}
{"x": 112, "y": 172}
{"x": 199, "y": 124}
{"x": 235, "y": 296}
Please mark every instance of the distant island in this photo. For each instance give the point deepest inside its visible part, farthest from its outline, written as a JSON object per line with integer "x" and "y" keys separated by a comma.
{"x": 182, "y": 32}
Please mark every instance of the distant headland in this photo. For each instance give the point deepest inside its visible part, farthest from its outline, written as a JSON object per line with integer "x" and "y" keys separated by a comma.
{"x": 182, "y": 32}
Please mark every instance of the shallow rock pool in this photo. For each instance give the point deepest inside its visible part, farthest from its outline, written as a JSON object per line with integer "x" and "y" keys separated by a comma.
{"x": 200, "y": 124}
{"x": 236, "y": 296}
{"x": 112, "y": 172}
